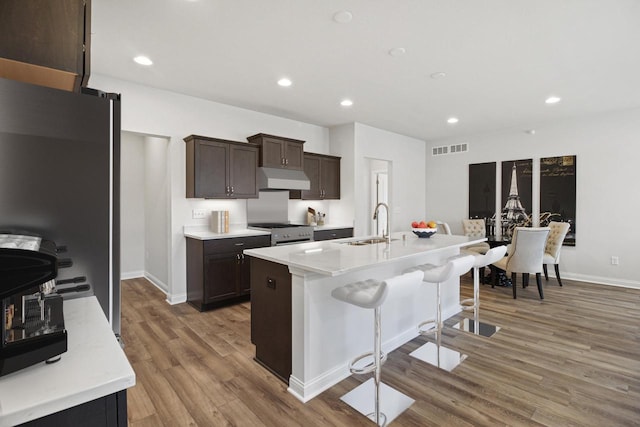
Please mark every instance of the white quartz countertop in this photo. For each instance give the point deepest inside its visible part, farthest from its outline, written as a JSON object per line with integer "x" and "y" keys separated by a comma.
{"x": 93, "y": 366}
{"x": 335, "y": 257}
{"x": 203, "y": 233}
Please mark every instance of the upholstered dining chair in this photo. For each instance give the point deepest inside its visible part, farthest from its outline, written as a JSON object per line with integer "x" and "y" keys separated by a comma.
{"x": 557, "y": 233}
{"x": 525, "y": 255}
{"x": 475, "y": 228}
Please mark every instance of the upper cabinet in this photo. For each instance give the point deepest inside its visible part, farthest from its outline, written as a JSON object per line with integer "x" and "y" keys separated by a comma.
{"x": 46, "y": 42}
{"x": 324, "y": 173}
{"x": 221, "y": 169}
{"x": 279, "y": 152}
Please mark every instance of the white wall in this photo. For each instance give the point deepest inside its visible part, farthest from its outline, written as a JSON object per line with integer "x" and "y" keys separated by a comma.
{"x": 607, "y": 200}
{"x": 132, "y": 214}
{"x": 150, "y": 111}
{"x": 157, "y": 208}
{"x": 406, "y": 176}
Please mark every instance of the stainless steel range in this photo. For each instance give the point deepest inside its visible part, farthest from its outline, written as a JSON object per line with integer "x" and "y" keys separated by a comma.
{"x": 270, "y": 212}
{"x": 285, "y": 234}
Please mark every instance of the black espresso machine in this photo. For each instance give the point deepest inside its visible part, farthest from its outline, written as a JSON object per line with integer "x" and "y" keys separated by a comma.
{"x": 32, "y": 311}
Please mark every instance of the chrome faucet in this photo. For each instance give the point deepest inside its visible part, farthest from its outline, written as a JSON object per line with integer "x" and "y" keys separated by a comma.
{"x": 385, "y": 234}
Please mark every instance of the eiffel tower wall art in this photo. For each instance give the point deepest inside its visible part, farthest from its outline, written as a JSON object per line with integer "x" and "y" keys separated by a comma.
{"x": 482, "y": 193}
{"x": 516, "y": 195}
{"x": 558, "y": 193}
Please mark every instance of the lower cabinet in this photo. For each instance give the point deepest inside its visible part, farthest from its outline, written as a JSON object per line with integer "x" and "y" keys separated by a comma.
{"x": 338, "y": 233}
{"x": 218, "y": 272}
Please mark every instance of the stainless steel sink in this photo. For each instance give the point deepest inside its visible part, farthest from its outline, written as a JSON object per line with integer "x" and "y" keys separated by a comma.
{"x": 368, "y": 241}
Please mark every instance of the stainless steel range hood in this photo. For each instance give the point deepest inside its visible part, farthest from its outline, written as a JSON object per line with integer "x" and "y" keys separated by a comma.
{"x": 282, "y": 179}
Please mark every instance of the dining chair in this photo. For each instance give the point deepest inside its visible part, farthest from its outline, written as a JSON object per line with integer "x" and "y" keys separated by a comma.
{"x": 475, "y": 228}
{"x": 443, "y": 227}
{"x": 557, "y": 233}
{"x": 525, "y": 255}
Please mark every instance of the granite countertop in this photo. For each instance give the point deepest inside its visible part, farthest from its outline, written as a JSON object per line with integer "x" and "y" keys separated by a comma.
{"x": 335, "y": 257}
{"x": 94, "y": 366}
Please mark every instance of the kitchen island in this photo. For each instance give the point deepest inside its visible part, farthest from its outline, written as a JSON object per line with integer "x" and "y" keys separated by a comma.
{"x": 306, "y": 337}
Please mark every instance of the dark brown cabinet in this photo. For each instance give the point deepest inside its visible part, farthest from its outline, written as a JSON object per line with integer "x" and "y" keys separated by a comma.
{"x": 338, "y": 233}
{"x": 279, "y": 152}
{"x": 218, "y": 273}
{"x": 221, "y": 169}
{"x": 271, "y": 316}
{"x": 323, "y": 172}
{"x": 46, "y": 42}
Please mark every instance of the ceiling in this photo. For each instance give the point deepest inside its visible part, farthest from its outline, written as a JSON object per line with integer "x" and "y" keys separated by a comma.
{"x": 502, "y": 58}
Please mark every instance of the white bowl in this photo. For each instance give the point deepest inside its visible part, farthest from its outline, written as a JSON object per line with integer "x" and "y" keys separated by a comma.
{"x": 424, "y": 232}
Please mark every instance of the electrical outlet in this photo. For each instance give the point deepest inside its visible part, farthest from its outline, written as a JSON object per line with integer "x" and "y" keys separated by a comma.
{"x": 615, "y": 260}
{"x": 198, "y": 213}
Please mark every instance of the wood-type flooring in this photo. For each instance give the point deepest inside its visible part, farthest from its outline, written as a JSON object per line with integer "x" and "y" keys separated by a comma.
{"x": 572, "y": 359}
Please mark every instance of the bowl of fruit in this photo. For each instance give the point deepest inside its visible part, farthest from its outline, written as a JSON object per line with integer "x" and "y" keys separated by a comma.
{"x": 424, "y": 229}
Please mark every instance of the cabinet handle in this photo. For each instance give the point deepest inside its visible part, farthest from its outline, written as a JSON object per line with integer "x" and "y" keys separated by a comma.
{"x": 231, "y": 190}
{"x": 286, "y": 161}
{"x": 271, "y": 283}
{"x": 239, "y": 244}
{"x": 282, "y": 160}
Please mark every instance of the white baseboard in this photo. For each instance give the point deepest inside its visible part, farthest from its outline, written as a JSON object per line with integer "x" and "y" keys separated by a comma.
{"x": 157, "y": 282}
{"x": 601, "y": 280}
{"x": 305, "y": 391}
{"x": 176, "y": 298}
{"x": 131, "y": 275}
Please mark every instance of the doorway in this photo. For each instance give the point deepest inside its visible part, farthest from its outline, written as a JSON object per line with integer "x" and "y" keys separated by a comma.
{"x": 379, "y": 193}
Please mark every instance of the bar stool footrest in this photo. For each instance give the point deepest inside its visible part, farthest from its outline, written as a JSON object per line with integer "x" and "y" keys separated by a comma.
{"x": 369, "y": 367}
{"x": 468, "y": 304}
{"x": 433, "y": 329}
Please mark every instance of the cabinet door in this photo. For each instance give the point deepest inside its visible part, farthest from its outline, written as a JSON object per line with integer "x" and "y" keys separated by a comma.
{"x": 244, "y": 162}
{"x": 211, "y": 169}
{"x": 330, "y": 178}
{"x": 339, "y": 233}
{"x": 312, "y": 170}
{"x": 294, "y": 155}
{"x": 220, "y": 276}
{"x": 273, "y": 153}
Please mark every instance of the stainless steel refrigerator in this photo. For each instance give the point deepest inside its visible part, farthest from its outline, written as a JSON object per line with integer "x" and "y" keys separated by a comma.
{"x": 60, "y": 179}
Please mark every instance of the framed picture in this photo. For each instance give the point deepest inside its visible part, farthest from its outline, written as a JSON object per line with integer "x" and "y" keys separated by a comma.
{"x": 482, "y": 193}
{"x": 516, "y": 195}
{"x": 558, "y": 193}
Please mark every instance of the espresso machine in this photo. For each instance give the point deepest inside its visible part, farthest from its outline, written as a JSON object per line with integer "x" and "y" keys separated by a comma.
{"x": 32, "y": 311}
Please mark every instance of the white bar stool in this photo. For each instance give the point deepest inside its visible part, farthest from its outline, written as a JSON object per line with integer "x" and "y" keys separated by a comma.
{"x": 434, "y": 353}
{"x": 375, "y": 400}
{"x": 481, "y": 261}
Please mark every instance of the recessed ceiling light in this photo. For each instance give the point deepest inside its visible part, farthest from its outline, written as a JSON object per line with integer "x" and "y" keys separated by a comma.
{"x": 284, "y": 82}
{"x": 143, "y": 60}
{"x": 530, "y": 131}
{"x": 552, "y": 100}
{"x": 346, "y": 103}
{"x": 452, "y": 120}
{"x": 397, "y": 51}
{"x": 438, "y": 75}
{"x": 343, "y": 17}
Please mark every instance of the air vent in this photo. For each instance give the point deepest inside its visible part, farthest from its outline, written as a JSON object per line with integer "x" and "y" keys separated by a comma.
{"x": 450, "y": 149}
{"x": 439, "y": 151}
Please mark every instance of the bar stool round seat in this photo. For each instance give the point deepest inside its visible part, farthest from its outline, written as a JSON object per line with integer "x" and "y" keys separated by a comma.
{"x": 371, "y": 294}
{"x": 473, "y": 304}
{"x": 431, "y": 353}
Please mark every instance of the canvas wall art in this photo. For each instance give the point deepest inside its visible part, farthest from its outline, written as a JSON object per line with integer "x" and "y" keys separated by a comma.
{"x": 482, "y": 193}
{"x": 516, "y": 195}
{"x": 558, "y": 193}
